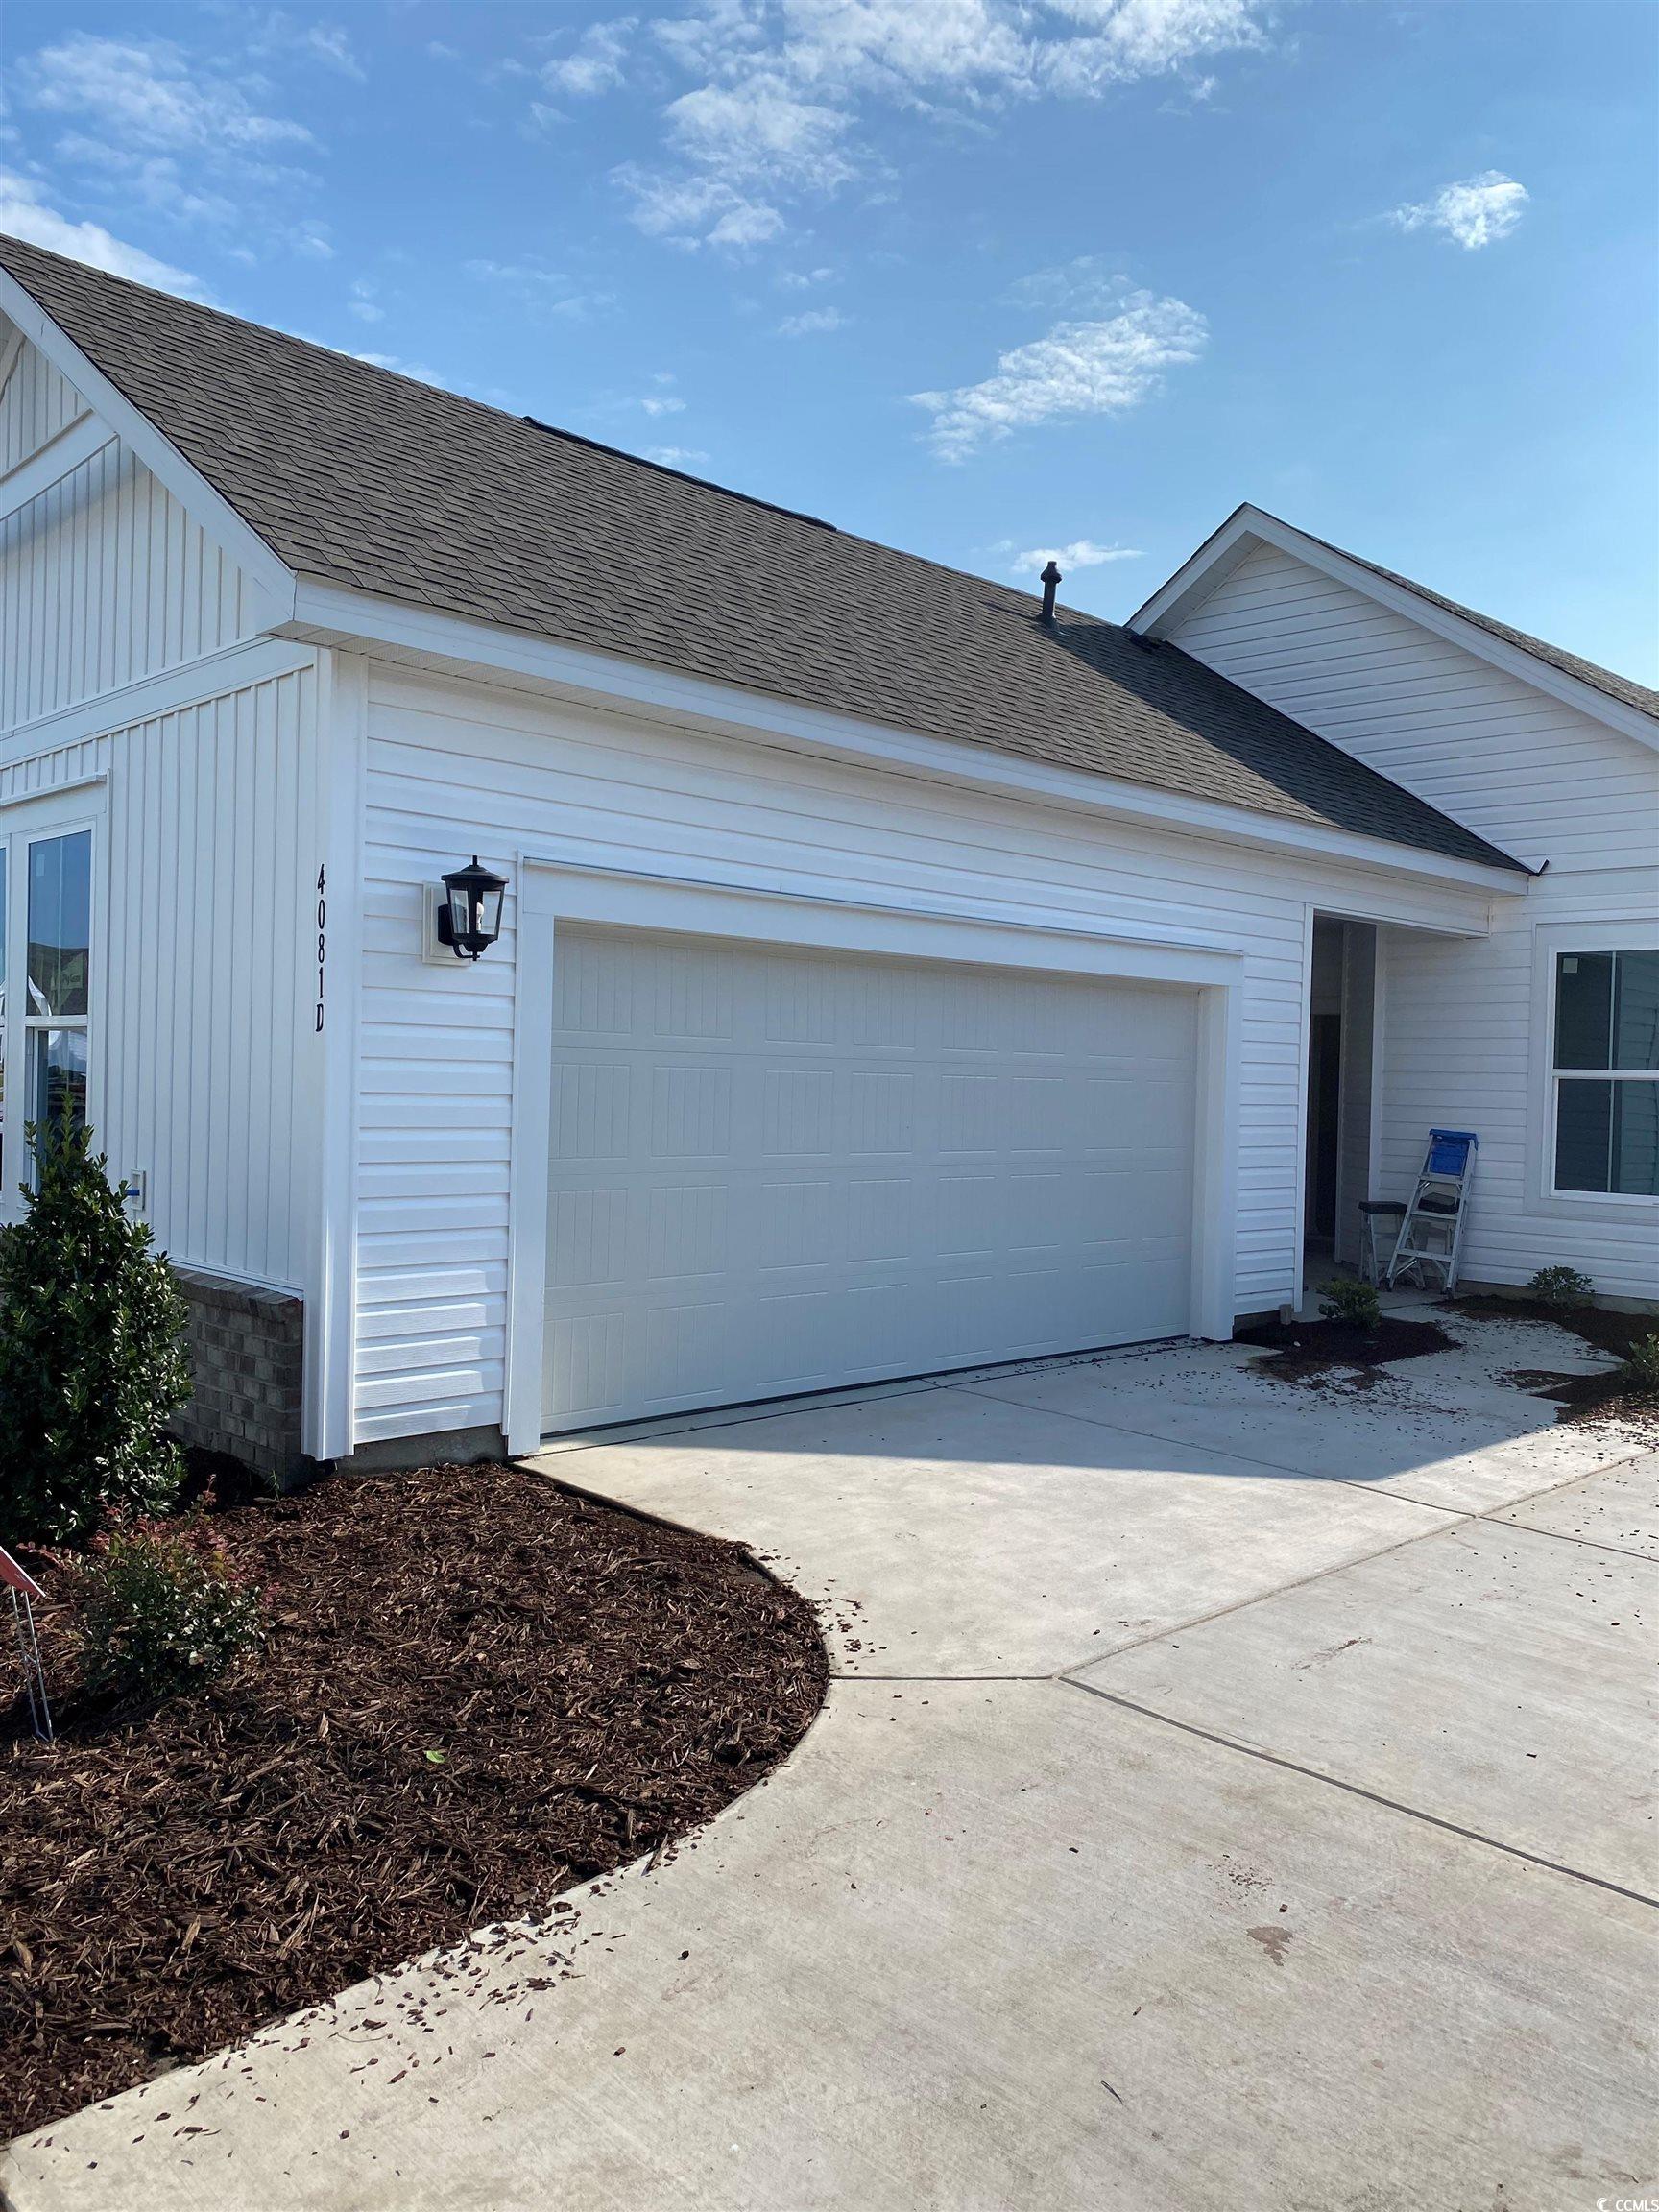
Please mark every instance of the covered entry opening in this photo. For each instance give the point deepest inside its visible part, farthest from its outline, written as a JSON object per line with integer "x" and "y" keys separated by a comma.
{"x": 1342, "y": 1075}
{"x": 775, "y": 1169}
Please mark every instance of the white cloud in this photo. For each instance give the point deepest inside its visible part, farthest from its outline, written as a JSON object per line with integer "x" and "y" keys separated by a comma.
{"x": 697, "y": 210}
{"x": 1081, "y": 553}
{"x": 812, "y": 321}
{"x": 772, "y": 117}
{"x": 278, "y": 33}
{"x": 662, "y": 403}
{"x": 1477, "y": 212}
{"x": 542, "y": 291}
{"x": 192, "y": 139}
{"x": 146, "y": 96}
{"x": 595, "y": 65}
{"x": 1094, "y": 368}
{"x": 26, "y": 215}
{"x": 677, "y": 456}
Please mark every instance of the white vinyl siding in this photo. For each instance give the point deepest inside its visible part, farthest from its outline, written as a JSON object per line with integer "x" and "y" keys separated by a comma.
{"x": 453, "y": 768}
{"x": 1514, "y": 764}
{"x": 37, "y": 403}
{"x": 103, "y": 578}
{"x": 1459, "y": 1024}
{"x": 203, "y": 1058}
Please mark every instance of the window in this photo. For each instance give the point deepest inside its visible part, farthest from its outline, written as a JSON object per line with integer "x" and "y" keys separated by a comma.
{"x": 1606, "y": 1072}
{"x": 46, "y": 979}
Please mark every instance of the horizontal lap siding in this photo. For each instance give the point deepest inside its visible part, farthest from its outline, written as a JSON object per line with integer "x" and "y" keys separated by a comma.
{"x": 1458, "y": 1046}
{"x": 1513, "y": 764}
{"x": 203, "y": 1040}
{"x": 453, "y": 769}
{"x": 1541, "y": 781}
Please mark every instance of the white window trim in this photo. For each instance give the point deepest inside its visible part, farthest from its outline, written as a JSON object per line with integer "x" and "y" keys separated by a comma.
{"x": 549, "y": 889}
{"x": 24, "y": 822}
{"x": 1549, "y": 939}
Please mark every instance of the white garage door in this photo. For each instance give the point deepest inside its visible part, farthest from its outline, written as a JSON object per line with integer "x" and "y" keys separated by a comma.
{"x": 777, "y": 1170}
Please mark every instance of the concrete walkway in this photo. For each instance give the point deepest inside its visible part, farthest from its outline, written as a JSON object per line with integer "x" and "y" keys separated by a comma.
{"x": 1231, "y": 1793}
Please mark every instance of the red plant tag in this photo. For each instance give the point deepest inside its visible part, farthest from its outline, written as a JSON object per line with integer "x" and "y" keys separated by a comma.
{"x": 15, "y": 1578}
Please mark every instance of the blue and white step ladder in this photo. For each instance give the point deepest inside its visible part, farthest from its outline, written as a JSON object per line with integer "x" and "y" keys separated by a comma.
{"x": 1432, "y": 1235}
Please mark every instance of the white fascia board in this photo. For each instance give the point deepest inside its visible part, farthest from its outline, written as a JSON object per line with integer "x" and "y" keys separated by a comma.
{"x": 60, "y": 456}
{"x": 331, "y": 615}
{"x": 163, "y": 459}
{"x": 1249, "y": 526}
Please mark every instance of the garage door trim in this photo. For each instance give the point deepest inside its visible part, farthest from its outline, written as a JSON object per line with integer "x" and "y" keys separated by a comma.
{"x": 550, "y": 889}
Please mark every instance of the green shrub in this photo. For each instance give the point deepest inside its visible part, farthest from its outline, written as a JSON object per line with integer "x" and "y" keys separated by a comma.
{"x": 1562, "y": 1286}
{"x": 1640, "y": 1374}
{"x": 1354, "y": 1304}
{"x": 92, "y": 1353}
{"x": 160, "y": 1611}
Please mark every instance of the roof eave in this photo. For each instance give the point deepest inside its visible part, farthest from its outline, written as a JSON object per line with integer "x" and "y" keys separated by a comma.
{"x": 333, "y": 614}
{"x": 1248, "y": 527}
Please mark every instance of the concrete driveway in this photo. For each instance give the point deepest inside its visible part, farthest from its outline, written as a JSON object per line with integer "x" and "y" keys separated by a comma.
{"x": 1231, "y": 1793}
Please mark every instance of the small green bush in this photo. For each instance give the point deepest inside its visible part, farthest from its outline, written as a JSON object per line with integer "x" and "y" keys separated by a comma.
{"x": 92, "y": 1353}
{"x": 1356, "y": 1305}
{"x": 1562, "y": 1286}
{"x": 1640, "y": 1373}
{"x": 160, "y": 1611}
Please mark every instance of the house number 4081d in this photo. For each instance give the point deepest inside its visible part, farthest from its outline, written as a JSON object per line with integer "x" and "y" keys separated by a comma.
{"x": 321, "y": 939}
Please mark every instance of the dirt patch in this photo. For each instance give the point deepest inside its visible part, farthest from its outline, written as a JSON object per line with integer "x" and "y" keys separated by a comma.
{"x": 1307, "y": 1351}
{"x": 1591, "y": 1397}
{"x": 1605, "y": 1397}
{"x": 1617, "y": 1334}
{"x": 477, "y": 1690}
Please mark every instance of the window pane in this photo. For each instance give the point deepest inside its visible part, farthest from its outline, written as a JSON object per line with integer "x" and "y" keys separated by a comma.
{"x": 59, "y": 919}
{"x": 1583, "y": 1130}
{"x": 58, "y": 1075}
{"x": 1635, "y": 1010}
{"x": 1583, "y": 1011}
{"x": 1636, "y": 1138}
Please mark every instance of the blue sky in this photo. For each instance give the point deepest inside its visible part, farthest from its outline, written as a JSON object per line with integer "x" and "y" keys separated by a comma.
{"x": 984, "y": 278}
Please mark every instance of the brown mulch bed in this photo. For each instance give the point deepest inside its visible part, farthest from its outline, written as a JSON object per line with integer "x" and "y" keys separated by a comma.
{"x": 478, "y": 1690}
{"x": 1304, "y": 1350}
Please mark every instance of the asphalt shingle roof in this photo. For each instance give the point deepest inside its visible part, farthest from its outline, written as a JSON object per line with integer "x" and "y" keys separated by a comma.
{"x": 358, "y": 476}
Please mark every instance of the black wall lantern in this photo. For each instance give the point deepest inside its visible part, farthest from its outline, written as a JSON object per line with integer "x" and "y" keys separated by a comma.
{"x": 469, "y": 911}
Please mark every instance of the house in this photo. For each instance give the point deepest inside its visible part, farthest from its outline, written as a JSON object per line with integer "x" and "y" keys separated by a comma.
{"x": 889, "y": 977}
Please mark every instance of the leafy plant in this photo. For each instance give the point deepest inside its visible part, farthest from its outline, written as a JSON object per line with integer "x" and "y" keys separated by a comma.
{"x": 1562, "y": 1286}
{"x": 1354, "y": 1304}
{"x": 92, "y": 1353}
{"x": 161, "y": 1611}
{"x": 1640, "y": 1374}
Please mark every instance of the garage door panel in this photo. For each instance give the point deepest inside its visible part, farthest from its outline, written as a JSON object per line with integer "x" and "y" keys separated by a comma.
{"x": 776, "y": 1171}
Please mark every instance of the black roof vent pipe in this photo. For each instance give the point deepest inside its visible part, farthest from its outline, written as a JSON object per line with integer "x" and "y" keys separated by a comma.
{"x": 1050, "y": 583}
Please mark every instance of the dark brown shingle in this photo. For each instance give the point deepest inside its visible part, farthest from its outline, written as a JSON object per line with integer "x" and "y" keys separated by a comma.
{"x": 360, "y": 477}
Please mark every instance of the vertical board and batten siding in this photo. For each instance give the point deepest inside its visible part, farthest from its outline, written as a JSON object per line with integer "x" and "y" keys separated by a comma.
{"x": 38, "y": 403}
{"x": 455, "y": 767}
{"x": 103, "y": 578}
{"x": 203, "y": 1055}
{"x": 1540, "y": 779}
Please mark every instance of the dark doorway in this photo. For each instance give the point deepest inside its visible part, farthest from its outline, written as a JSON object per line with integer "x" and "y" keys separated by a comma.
{"x": 1324, "y": 1125}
